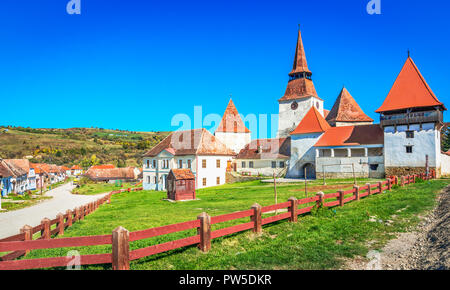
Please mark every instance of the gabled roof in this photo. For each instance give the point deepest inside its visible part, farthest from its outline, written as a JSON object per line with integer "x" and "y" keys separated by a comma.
{"x": 191, "y": 142}
{"x": 181, "y": 174}
{"x": 410, "y": 90}
{"x": 266, "y": 149}
{"x": 4, "y": 170}
{"x": 312, "y": 122}
{"x": 111, "y": 173}
{"x": 345, "y": 109}
{"x": 351, "y": 136}
{"x": 18, "y": 167}
{"x": 232, "y": 121}
{"x": 103, "y": 166}
{"x": 300, "y": 64}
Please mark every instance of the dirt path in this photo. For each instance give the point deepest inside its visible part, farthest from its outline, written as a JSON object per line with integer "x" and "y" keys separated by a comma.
{"x": 11, "y": 222}
{"x": 427, "y": 248}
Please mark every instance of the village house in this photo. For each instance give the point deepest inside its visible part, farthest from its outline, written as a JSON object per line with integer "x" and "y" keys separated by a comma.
{"x": 6, "y": 186}
{"x": 197, "y": 150}
{"x": 41, "y": 175}
{"x": 20, "y": 170}
{"x": 76, "y": 170}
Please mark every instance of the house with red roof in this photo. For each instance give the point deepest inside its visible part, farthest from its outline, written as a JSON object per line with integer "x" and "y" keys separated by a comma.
{"x": 76, "y": 170}
{"x": 198, "y": 150}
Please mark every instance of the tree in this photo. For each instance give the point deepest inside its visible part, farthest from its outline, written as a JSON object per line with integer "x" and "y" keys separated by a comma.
{"x": 445, "y": 137}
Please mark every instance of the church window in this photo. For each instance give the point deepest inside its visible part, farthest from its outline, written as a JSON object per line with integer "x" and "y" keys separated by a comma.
{"x": 409, "y": 134}
{"x": 408, "y": 149}
{"x": 317, "y": 105}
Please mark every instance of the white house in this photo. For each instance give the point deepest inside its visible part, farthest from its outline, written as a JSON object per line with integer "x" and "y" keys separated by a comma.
{"x": 197, "y": 149}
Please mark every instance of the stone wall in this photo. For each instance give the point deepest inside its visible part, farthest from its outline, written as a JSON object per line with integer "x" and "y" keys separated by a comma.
{"x": 232, "y": 177}
{"x": 402, "y": 171}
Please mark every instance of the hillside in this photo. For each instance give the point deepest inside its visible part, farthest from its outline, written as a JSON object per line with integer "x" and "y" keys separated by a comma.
{"x": 83, "y": 146}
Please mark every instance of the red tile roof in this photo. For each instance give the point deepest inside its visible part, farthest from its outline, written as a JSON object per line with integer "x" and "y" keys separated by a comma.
{"x": 352, "y": 135}
{"x": 19, "y": 167}
{"x": 266, "y": 149}
{"x": 312, "y": 122}
{"x": 76, "y": 167}
{"x": 191, "y": 142}
{"x": 410, "y": 90}
{"x": 300, "y": 64}
{"x": 4, "y": 170}
{"x": 345, "y": 109}
{"x": 232, "y": 121}
{"x": 103, "y": 166}
{"x": 111, "y": 173}
{"x": 325, "y": 113}
{"x": 299, "y": 89}
{"x": 181, "y": 174}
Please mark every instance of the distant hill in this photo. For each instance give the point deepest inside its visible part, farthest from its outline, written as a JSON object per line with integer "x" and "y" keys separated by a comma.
{"x": 77, "y": 145}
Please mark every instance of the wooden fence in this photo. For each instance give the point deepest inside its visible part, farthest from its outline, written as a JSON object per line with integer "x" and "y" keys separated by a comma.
{"x": 120, "y": 238}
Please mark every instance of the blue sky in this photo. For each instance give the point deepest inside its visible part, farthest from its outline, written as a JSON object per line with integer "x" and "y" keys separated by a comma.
{"x": 135, "y": 64}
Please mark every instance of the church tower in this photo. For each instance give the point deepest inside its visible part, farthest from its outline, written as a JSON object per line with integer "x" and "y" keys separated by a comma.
{"x": 300, "y": 94}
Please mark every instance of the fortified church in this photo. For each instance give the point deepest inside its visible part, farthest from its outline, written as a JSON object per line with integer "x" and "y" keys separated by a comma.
{"x": 312, "y": 141}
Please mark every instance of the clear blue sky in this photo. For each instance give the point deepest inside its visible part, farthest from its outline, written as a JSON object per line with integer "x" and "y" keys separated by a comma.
{"x": 134, "y": 64}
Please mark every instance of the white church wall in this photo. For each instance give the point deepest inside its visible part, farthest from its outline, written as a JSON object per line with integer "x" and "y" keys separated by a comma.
{"x": 302, "y": 152}
{"x": 425, "y": 142}
{"x": 445, "y": 164}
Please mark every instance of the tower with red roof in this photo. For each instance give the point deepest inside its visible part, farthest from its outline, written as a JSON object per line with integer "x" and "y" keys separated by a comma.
{"x": 300, "y": 94}
{"x": 232, "y": 130}
{"x": 411, "y": 117}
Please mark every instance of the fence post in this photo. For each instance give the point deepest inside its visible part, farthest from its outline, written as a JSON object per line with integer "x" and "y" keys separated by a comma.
{"x": 396, "y": 180}
{"x": 60, "y": 224}
{"x": 293, "y": 209}
{"x": 256, "y": 218}
{"x": 389, "y": 184}
{"x": 368, "y": 189}
{"x": 341, "y": 198}
{"x": 204, "y": 231}
{"x": 28, "y": 231}
{"x": 109, "y": 198}
{"x": 380, "y": 187}
{"x": 356, "y": 188}
{"x": 69, "y": 217}
{"x": 82, "y": 212}
{"x": 45, "y": 232}
{"x": 120, "y": 249}
{"x": 402, "y": 181}
{"x": 319, "y": 201}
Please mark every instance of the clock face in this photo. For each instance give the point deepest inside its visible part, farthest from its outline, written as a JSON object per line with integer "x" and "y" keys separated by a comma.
{"x": 294, "y": 105}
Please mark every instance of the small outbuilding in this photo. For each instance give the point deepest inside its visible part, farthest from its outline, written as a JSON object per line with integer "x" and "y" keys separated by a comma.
{"x": 181, "y": 184}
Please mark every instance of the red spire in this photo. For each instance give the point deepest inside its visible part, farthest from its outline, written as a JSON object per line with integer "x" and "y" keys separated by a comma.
{"x": 346, "y": 109}
{"x": 313, "y": 122}
{"x": 409, "y": 90}
{"x": 231, "y": 121}
{"x": 300, "y": 64}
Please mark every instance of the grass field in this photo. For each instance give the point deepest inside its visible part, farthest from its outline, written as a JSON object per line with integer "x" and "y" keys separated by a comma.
{"x": 96, "y": 188}
{"x": 318, "y": 241}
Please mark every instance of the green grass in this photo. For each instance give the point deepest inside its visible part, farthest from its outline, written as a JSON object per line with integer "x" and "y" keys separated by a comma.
{"x": 318, "y": 241}
{"x": 96, "y": 188}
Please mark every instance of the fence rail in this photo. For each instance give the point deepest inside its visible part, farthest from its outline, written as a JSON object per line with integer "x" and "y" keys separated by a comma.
{"x": 120, "y": 238}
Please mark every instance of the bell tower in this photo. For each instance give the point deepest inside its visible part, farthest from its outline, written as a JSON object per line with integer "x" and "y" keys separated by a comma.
{"x": 300, "y": 94}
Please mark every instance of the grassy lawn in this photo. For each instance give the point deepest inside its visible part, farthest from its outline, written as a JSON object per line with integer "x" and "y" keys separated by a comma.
{"x": 318, "y": 241}
{"x": 96, "y": 188}
{"x": 27, "y": 201}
